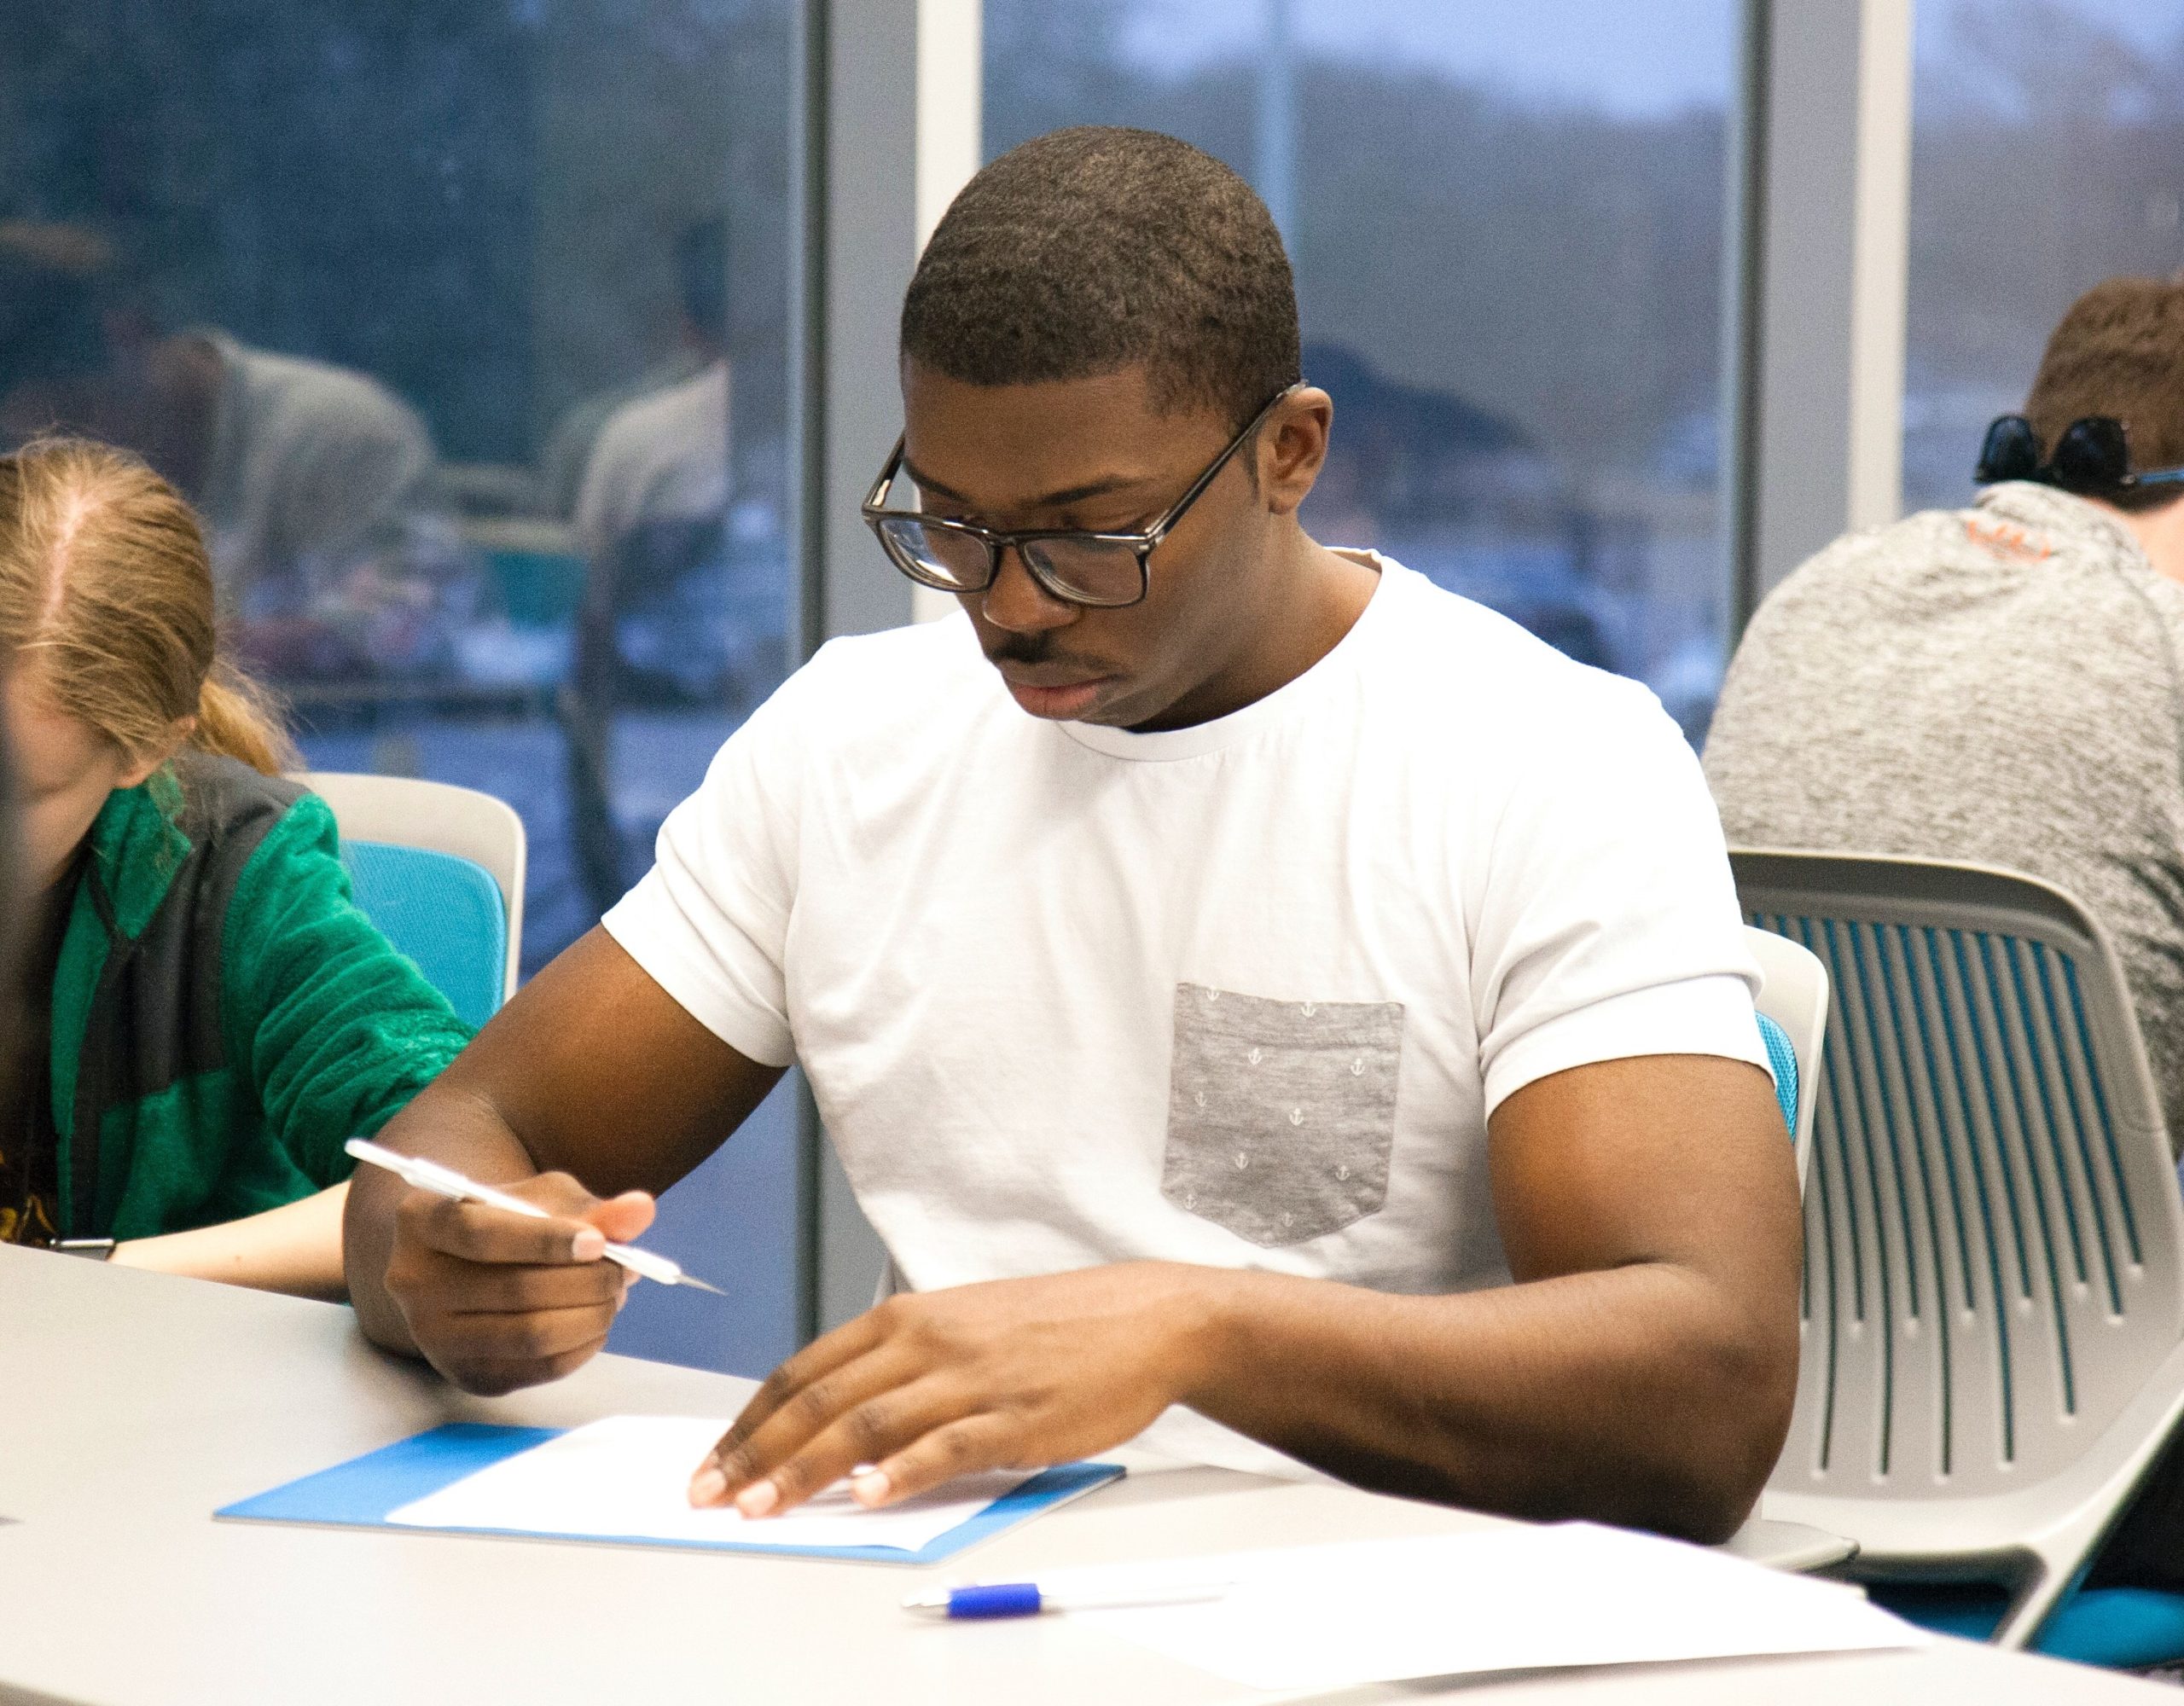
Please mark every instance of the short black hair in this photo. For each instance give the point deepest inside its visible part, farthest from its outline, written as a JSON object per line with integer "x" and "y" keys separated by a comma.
{"x": 1093, "y": 249}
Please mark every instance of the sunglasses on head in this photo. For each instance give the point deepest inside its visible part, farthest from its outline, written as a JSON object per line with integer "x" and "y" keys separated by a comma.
{"x": 2093, "y": 458}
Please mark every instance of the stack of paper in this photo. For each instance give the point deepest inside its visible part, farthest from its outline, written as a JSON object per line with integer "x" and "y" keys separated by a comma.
{"x": 1514, "y": 1598}
{"x": 629, "y": 1477}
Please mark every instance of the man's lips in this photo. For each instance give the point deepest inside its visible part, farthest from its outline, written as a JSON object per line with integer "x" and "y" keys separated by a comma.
{"x": 1047, "y": 674}
{"x": 1059, "y": 691}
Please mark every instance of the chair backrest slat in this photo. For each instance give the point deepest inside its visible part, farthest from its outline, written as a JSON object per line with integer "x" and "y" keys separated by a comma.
{"x": 1992, "y": 1228}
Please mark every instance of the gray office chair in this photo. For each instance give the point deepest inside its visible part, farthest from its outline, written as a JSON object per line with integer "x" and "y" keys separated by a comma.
{"x": 1994, "y": 1297}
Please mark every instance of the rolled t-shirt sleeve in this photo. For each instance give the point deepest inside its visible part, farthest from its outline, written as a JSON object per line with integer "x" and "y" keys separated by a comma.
{"x": 1607, "y": 926}
{"x": 709, "y": 922}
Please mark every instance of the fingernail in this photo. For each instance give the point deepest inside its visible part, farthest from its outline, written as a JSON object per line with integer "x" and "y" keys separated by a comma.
{"x": 589, "y": 1246}
{"x": 707, "y": 1485}
{"x": 871, "y": 1488}
{"x": 757, "y": 1498}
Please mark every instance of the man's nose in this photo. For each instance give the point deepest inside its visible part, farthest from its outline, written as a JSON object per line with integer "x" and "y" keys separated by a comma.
{"x": 1017, "y": 602}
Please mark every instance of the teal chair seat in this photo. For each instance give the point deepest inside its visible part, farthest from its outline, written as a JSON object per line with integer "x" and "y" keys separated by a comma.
{"x": 443, "y": 913}
{"x": 2124, "y": 1628}
{"x": 2121, "y": 1628}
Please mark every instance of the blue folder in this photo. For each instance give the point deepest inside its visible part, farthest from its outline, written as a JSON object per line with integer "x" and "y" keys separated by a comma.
{"x": 360, "y": 1493}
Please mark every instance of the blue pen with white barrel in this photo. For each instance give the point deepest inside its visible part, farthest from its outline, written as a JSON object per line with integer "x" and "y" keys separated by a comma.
{"x": 979, "y": 1600}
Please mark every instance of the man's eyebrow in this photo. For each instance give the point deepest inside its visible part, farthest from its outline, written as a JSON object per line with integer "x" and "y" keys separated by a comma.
{"x": 1051, "y": 500}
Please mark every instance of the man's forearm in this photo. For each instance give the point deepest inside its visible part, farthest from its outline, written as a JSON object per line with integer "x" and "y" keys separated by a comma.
{"x": 1644, "y": 1394}
{"x": 459, "y": 1128}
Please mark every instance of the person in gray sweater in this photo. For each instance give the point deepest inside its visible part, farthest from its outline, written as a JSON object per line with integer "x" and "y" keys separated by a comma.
{"x": 2000, "y": 685}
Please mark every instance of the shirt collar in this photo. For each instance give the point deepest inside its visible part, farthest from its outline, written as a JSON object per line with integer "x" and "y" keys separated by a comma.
{"x": 1202, "y": 737}
{"x": 2052, "y": 510}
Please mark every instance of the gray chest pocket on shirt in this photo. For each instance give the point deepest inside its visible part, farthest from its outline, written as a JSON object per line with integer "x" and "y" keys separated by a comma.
{"x": 1281, "y": 1114}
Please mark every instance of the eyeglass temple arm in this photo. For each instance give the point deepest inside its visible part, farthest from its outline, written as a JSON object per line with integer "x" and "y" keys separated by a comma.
{"x": 892, "y": 467}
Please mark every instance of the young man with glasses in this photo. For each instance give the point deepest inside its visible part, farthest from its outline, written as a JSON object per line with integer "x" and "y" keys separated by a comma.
{"x": 1321, "y": 1023}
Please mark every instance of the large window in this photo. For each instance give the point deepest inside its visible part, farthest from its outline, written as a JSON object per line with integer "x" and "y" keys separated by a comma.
{"x": 462, "y": 324}
{"x": 2048, "y": 154}
{"x": 1506, "y": 225}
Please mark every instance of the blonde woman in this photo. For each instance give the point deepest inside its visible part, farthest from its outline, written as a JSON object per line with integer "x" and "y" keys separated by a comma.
{"x": 210, "y": 1015}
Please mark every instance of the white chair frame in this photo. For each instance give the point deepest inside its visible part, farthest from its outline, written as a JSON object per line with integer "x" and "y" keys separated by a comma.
{"x": 1793, "y": 993}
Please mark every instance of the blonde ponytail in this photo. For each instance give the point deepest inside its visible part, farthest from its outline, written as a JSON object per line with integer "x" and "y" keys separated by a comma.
{"x": 105, "y": 584}
{"x": 236, "y": 719}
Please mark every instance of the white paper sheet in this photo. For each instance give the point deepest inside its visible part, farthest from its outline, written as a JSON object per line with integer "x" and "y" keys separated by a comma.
{"x": 628, "y": 1477}
{"x": 1505, "y": 1598}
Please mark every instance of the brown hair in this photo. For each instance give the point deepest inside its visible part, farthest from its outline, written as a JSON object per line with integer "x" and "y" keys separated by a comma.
{"x": 2119, "y": 351}
{"x": 104, "y": 573}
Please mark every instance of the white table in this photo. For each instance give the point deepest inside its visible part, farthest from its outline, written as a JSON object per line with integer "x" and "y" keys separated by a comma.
{"x": 136, "y": 1405}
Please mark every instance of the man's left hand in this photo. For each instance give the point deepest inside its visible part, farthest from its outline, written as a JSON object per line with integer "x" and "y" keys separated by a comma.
{"x": 1014, "y": 1373}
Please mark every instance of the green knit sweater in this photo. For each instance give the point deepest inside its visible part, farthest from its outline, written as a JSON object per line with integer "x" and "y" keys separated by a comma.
{"x": 223, "y": 1016}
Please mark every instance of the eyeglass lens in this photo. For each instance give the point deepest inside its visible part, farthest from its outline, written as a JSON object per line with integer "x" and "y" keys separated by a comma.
{"x": 940, "y": 557}
{"x": 1088, "y": 571}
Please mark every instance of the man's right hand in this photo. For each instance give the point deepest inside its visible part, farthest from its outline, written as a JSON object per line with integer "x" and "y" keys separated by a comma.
{"x": 592, "y": 1069}
{"x": 495, "y": 1300}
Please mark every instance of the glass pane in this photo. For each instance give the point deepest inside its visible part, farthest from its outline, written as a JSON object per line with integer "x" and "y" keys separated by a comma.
{"x": 463, "y": 325}
{"x": 1507, "y": 226}
{"x": 2047, "y": 153}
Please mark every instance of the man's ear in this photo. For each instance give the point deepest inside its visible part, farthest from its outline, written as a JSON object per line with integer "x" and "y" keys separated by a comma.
{"x": 177, "y": 736}
{"x": 1293, "y": 448}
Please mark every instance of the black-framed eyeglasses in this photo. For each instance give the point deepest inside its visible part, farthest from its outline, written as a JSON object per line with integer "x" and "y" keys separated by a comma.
{"x": 2093, "y": 458}
{"x": 1106, "y": 570}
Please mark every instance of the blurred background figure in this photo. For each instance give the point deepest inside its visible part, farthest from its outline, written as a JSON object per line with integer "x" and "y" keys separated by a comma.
{"x": 700, "y": 343}
{"x": 316, "y": 483}
{"x": 650, "y": 515}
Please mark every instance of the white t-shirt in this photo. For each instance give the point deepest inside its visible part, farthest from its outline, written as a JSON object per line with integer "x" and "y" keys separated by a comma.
{"x": 1242, "y": 994}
